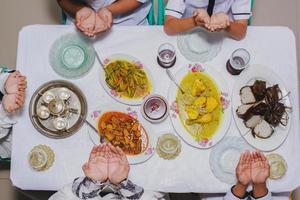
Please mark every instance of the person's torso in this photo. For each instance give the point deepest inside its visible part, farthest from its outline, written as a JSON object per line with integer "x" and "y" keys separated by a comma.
{"x": 220, "y": 6}
{"x": 136, "y": 17}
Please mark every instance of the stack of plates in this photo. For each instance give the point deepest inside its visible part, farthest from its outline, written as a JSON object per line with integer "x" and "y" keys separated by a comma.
{"x": 225, "y": 157}
{"x": 199, "y": 45}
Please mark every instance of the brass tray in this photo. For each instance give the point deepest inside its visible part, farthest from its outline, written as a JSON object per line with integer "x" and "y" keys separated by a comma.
{"x": 75, "y": 110}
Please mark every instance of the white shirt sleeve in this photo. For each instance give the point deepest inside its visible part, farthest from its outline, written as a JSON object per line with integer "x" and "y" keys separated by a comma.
{"x": 241, "y": 9}
{"x": 230, "y": 196}
{"x": 175, "y": 8}
{"x": 267, "y": 197}
{"x": 64, "y": 194}
{"x": 143, "y": 1}
{"x": 3, "y": 78}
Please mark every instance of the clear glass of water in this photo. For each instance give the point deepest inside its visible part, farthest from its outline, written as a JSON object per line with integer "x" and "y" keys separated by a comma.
{"x": 238, "y": 61}
{"x": 166, "y": 57}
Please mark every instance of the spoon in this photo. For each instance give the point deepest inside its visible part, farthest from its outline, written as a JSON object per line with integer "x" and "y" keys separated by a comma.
{"x": 99, "y": 59}
{"x": 171, "y": 76}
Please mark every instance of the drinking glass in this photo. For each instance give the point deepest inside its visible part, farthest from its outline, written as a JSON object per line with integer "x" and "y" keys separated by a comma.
{"x": 238, "y": 61}
{"x": 166, "y": 57}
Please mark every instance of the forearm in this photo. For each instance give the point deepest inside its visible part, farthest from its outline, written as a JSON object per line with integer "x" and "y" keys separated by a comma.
{"x": 129, "y": 190}
{"x": 260, "y": 190}
{"x": 123, "y": 6}
{"x": 239, "y": 190}
{"x": 85, "y": 187}
{"x": 237, "y": 30}
{"x": 174, "y": 25}
{"x": 71, "y": 6}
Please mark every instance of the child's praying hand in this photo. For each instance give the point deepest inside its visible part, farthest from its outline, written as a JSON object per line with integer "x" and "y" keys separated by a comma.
{"x": 216, "y": 22}
{"x": 14, "y": 87}
{"x": 92, "y": 23}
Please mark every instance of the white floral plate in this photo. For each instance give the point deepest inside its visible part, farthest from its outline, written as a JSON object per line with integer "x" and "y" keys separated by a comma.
{"x": 225, "y": 156}
{"x": 174, "y": 111}
{"x": 148, "y": 138}
{"x": 113, "y": 93}
{"x": 199, "y": 45}
{"x": 248, "y": 77}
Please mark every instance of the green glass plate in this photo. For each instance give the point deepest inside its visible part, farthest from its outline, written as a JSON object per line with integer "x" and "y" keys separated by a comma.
{"x": 72, "y": 56}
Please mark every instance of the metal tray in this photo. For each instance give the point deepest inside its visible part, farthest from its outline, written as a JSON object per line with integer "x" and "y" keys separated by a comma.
{"x": 75, "y": 117}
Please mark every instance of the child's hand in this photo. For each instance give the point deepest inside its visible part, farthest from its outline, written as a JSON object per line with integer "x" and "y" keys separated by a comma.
{"x": 218, "y": 22}
{"x": 106, "y": 15}
{"x": 260, "y": 169}
{"x": 100, "y": 25}
{"x": 243, "y": 169}
{"x": 12, "y": 102}
{"x": 201, "y": 17}
{"x": 85, "y": 20}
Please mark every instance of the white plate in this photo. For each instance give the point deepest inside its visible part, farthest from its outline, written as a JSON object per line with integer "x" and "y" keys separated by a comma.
{"x": 133, "y": 112}
{"x": 199, "y": 45}
{"x": 226, "y": 119}
{"x": 225, "y": 156}
{"x": 113, "y": 93}
{"x": 260, "y": 72}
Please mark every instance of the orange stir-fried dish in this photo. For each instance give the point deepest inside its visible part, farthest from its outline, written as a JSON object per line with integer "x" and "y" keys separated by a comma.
{"x": 122, "y": 130}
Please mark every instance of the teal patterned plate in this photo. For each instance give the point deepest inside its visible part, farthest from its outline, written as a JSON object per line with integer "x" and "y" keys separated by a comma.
{"x": 72, "y": 56}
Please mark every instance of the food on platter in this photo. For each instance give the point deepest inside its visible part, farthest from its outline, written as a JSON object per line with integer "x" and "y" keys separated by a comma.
{"x": 127, "y": 78}
{"x": 168, "y": 146}
{"x": 199, "y": 106}
{"x": 262, "y": 108}
{"x": 122, "y": 130}
{"x": 41, "y": 157}
{"x": 278, "y": 166}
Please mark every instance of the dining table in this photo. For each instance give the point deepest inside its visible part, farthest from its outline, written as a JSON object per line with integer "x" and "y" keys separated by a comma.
{"x": 271, "y": 46}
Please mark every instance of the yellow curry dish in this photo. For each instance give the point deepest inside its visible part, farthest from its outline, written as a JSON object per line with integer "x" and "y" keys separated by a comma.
{"x": 199, "y": 106}
{"x": 127, "y": 78}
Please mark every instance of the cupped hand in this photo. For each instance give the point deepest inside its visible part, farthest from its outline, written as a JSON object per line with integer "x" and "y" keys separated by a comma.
{"x": 100, "y": 25}
{"x": 106, "y": 16}
{"x": 97, "y": 166}
{"x": 243, "y": 170}
{"x": 201, "y": 17}
{"x": 260, "y": 168}
{"x": 118, "y": 166}
{"x": 85, "y": 20}
{"x": 218, "y": 22}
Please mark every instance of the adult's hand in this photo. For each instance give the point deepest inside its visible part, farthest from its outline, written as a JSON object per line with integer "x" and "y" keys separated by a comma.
{"x": 97, "y": 166}
{"x": 118, "y": 166}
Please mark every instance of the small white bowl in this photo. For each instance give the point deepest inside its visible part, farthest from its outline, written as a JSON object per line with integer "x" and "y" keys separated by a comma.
{"x": 38, "y": 158}
{"x": 64, "y": 93}
{"x": 43, "y": 112}
{"x": 60, "y": 123}
{"x": 48, "y": 96}
{"x": 155, "y": 108}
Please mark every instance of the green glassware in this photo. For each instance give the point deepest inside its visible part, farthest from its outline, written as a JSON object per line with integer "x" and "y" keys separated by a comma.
{"x": 72, "y": 55}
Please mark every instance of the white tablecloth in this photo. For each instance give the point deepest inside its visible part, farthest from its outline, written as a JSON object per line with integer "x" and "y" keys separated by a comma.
{"x": 190, "y": 172}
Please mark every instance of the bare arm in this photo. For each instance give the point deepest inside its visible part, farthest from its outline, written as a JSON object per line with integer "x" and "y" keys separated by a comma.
{"x": 237, "y": 29}
{"x": 71, "y": 6}
{"x": 121, "y": 7}
{"x": 239, "y": 190}
{"x": 174, "y": 25}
